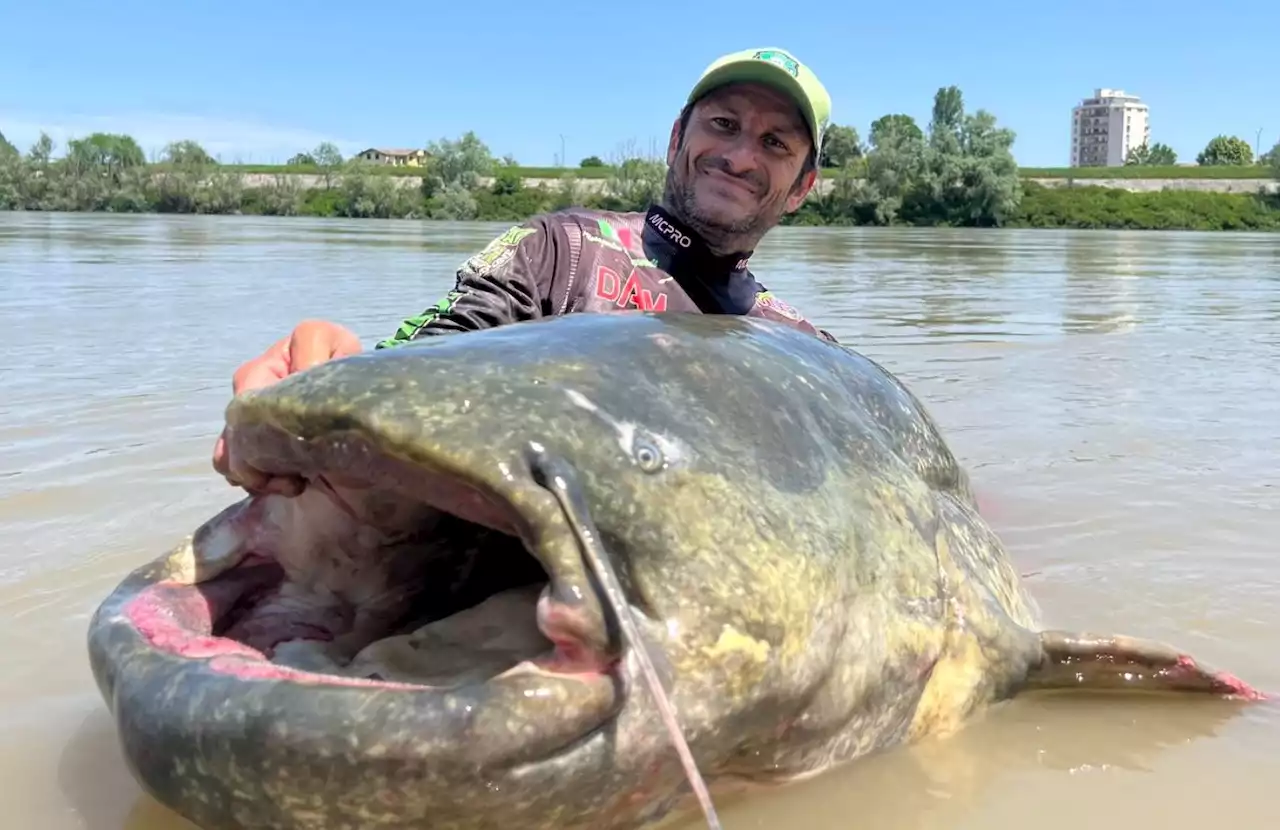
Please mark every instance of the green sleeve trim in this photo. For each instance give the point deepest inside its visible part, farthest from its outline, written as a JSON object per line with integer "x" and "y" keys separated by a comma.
{"x": 411, "y": 326}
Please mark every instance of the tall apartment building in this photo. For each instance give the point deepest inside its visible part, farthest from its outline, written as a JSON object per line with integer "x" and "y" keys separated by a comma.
{"x": 1106, "y": 127}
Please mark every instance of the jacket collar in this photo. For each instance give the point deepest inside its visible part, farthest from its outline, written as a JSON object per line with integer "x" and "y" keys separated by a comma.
{"x": 682, "y": 253}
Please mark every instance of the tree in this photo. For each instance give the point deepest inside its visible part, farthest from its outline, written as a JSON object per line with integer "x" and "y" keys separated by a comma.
{"x": 506, "y": 181}
{"x": 1163, "y": 154}
{"x": 962, "y": 173}
{"x": 6, "y": 149}
{"x": 456, "y": 164}
{"x": 635, "y": 181}
{"x": 592, "y": 161}
{"x": 42, "y": 150}
{"x": 1157, "y": 155}
{"x": 187, "y": 153}
{"x": 840, "y": 146}
{"x": 894, "y": 129}
{"x": 948, "y": 113}
{"x": 111, "y": 153}
{"x": 328, "y": 158}
{"x": 301, "y": 160}
{"x": 895, "y": 166}
{"x": 974, "y": 175}
{"x": 1272, "y": 159}
{"x": 1226, "y": 151}
{"x": 326, "y": 154}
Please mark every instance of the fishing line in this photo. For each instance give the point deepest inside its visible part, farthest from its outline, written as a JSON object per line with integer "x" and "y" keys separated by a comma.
{"x": 558, "y": 477}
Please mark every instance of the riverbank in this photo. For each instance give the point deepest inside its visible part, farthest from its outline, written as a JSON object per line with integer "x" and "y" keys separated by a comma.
{"x": 960, "y": 172}
{"x": 1144, "y": 172}
{"x": 1114, "y": 208}
{"x": 544, "y": 178}
{"x": 841, "y": 198}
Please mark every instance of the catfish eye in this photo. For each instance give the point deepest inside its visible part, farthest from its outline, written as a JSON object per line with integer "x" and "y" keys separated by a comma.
{"x": 648, "y": 455}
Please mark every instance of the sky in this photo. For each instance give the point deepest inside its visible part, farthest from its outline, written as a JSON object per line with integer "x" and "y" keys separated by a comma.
{"x": 258, "y": 82}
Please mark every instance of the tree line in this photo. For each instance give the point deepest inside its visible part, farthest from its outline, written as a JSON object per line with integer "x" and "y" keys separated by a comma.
{"x": 844, "y": 146}
{"x": 1221, "y": 151}
{"x": 957, "y": 170}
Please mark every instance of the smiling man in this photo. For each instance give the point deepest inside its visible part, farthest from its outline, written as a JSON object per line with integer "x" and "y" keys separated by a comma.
{"x": 743, "y": 152}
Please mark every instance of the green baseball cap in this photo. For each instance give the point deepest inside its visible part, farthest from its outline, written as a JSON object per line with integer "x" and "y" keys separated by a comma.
{"x": 779, "y": 69}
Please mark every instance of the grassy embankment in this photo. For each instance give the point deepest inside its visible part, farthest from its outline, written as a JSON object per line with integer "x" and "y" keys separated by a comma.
{"x": 370, "y": 193}
{"x": 1077, "y": 207}
{"x": 1114, "y": 208}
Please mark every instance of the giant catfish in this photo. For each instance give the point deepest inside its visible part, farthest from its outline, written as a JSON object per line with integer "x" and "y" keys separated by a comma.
{"x": 417, "y": 640}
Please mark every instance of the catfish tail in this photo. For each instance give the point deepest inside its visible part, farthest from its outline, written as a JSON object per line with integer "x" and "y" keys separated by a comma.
{"x": 1078, "y": 660}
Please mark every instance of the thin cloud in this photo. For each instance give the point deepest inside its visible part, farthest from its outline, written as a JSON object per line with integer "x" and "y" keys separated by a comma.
{"x": 229, "y": 140}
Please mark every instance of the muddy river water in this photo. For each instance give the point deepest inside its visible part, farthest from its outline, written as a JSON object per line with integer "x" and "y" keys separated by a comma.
{"x": 1114, "y": 396}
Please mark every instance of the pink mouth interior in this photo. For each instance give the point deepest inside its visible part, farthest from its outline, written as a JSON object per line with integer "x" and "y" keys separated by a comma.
{"x": 349, "y": 565}
{"x": 179, "y": 619}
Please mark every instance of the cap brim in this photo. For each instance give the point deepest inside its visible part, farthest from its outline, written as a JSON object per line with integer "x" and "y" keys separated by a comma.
{"x": 761, "y": 72}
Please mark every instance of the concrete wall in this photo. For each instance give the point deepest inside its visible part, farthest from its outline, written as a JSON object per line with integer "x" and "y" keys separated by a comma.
{"x": 1136, "y": 185}
{"x": 1149, "y": 185}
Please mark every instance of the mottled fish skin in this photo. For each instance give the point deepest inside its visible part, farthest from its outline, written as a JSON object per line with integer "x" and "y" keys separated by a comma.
{"x": 802, "y": 549}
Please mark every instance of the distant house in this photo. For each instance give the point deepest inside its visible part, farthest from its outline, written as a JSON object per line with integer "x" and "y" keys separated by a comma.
{"x": 396, "y": 158}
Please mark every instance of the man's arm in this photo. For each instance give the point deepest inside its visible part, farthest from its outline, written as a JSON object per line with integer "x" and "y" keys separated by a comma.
{"x": 506, "y": 282}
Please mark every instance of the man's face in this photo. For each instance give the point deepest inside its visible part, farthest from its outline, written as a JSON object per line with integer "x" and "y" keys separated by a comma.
{"x": 737, "y": 170}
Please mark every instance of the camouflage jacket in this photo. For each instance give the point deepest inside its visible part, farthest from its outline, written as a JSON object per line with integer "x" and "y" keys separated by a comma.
{"x": 596, "y": 261}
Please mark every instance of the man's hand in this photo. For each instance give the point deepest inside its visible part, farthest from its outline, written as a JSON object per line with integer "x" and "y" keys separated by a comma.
{"x": 311, "y": 343}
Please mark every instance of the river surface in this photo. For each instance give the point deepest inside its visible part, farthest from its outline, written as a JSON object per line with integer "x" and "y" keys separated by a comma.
{"x": 1114, "y": 396}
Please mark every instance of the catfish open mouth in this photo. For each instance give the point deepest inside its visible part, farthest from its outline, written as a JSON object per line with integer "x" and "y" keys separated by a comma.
{"x": 382, "y": 571}
{"x": 388, "y": 620}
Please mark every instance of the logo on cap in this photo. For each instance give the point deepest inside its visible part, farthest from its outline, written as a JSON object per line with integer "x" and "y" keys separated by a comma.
{"x": 779, "y": 59}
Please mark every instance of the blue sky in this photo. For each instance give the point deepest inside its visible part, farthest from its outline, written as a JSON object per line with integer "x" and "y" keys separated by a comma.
{"x": 257, "y": 82}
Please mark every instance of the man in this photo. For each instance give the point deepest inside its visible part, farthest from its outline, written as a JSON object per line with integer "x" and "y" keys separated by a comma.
{"x": 743, "y": 151}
